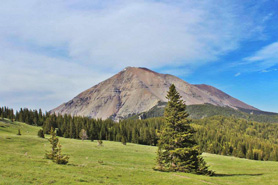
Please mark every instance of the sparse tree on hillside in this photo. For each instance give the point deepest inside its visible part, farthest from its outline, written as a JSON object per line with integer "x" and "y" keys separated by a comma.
{"x": 83, "y": 134}
{"x": 55, "y": 153}
{"x": 54, "y": 143}
{"x": 60, "y": 158}
{"x": 177, "y": 149}
{"x": 40, "y": 133}
{"x": 99, "y": 142}
{"x": 123, "y": 140}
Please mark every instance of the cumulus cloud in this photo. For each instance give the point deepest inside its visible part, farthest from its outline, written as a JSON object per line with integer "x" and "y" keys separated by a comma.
{"x": 60, "y": 47}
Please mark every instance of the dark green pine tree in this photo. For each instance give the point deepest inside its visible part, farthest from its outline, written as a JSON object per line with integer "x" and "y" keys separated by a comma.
{"x": 177, "y": 149}
{"x": 40, "y": 133}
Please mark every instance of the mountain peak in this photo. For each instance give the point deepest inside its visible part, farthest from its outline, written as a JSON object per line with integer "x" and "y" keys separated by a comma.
{"x": 129, "y": 68}
{"x": 138, "y": 89}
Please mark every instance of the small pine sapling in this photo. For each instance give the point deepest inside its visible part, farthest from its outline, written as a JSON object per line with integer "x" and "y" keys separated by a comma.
{"x": 60, "y": 158}
{"x": 55, "y": 154}
{"x": 40, "y": 133}
{"x": 18, "y": 132}
{"x": 100, "y": 143}
{"x": 123, "y": 140}
{"x": 83, "y": 134}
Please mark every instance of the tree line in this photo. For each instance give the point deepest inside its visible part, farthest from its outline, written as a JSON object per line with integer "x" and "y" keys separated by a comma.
{"x": 6, "y": 112}
{"x": 237, "y": 137}
{"x": 208, "y": 110}
{"x": 217, "y": 134}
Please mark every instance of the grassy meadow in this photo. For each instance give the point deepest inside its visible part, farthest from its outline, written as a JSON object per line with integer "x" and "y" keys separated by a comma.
{"x": 22, "y": 162}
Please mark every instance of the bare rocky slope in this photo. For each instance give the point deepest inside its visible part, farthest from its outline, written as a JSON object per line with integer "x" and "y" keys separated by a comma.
{"x": 135, "y": 90}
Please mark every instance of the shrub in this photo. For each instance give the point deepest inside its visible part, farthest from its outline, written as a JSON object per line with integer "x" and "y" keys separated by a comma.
{"x": 40, "y": 133}
{"x": 99, "y": 142}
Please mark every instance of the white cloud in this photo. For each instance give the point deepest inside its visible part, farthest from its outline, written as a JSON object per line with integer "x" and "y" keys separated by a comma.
{"x": 237, "y": 74}
{"x": 269, "y": 70}
{"x": 137, "y": 33}
{"x": 264, "y": 59}
{"x": 42, "y": 82}
{"x": 60, "y": 47}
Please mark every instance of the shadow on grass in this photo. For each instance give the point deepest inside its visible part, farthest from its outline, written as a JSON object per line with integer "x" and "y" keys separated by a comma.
{"x": 232, "y": 175}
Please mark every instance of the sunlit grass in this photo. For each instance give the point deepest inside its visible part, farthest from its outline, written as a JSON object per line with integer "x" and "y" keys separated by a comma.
{"x": 22, "y": 162}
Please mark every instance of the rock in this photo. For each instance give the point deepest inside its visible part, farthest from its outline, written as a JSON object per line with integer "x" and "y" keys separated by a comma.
{"x": 135, "y": 90}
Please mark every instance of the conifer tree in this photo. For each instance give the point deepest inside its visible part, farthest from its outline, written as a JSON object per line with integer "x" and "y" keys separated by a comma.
{"x": 56, "y": 148}
{"x": 177, "y": 149}
{"x": 83, "y": 134}
{"x": 60, "y": 158}
{"x": 40, "y": 133}
{"x": 99, "y": 142}
{"x": 18, "y": 132}
{"x": 123, "y": 140}
{"x": 54, "y": 143}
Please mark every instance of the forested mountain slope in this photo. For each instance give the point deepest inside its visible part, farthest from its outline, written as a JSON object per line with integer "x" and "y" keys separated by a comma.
{"x": 208, "y": 110}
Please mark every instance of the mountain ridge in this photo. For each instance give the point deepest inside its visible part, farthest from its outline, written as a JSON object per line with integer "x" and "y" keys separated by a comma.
{"x": 137, "y": 89}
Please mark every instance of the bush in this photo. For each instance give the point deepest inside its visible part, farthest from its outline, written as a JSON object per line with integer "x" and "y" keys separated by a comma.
{"x": 40, "y": 133}
{"x": 99, "y": 142}
{"x": 123, "y": 141}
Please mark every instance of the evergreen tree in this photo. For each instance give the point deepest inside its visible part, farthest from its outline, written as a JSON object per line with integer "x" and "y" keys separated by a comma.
{"x": 60, "y": 158}
{"x": 99, "y": 142}
{"x": 177, "y": 149}
{"x": 83, "y": 134}
{"x": 40, "y": 133}
{"x": 18, "y": 132}
{"x": 123, "y": 140}
{"x": 54, "y": 143}
{"x": 56, "y": 148}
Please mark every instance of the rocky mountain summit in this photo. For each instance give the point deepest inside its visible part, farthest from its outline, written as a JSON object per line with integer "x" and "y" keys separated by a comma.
{"x": 135, "y": 90}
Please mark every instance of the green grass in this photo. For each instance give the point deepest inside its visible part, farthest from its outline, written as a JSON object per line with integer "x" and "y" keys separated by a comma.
{"x": 22, "y": 162}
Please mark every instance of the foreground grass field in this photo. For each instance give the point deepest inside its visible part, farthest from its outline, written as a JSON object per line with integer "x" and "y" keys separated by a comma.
{"x": 22, "y": 162}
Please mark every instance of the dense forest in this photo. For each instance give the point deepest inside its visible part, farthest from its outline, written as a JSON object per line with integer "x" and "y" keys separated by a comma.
{"x": 237, "y": 137}
{"x": 208, "y": 110}
{"x": 217, "y": 134}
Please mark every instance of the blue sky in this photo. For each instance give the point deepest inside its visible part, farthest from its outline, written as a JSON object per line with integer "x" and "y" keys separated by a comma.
{"x": 52, "y": 50}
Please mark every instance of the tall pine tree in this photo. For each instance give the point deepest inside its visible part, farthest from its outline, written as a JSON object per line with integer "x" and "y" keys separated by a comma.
{"x": 177, "y": 149}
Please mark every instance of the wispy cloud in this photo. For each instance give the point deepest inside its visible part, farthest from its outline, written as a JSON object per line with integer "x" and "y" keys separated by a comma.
{"x": 237, "y": 74}
{"x": 139, "y": 33}
{"x": 267, "y": 71}
{"x": 263, "y": 59}
{"x": 62, "y": 47}
{"x": 42, "y": 82}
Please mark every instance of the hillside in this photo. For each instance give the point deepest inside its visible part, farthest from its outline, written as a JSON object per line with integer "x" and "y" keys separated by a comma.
{"x": 208, "y": 110}
{"x": 135, "y": 90}
{"x": 113, "y": 163}
{"x": 233, "y": 136}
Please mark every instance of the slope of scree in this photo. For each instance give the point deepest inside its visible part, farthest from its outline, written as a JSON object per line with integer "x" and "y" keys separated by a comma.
{"x": 135, "y": 90}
